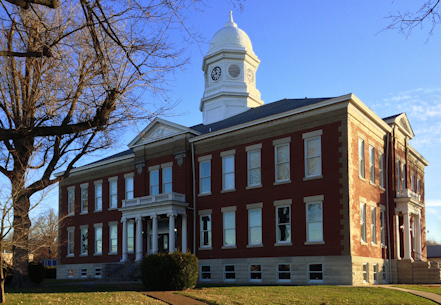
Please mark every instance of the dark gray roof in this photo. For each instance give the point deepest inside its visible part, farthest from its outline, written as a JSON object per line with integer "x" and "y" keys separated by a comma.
{"x": 434, "y": 251}
{"x": 392, "y": 116}
{"x": 120, "y": 154}
{"x": 258, "y": 113}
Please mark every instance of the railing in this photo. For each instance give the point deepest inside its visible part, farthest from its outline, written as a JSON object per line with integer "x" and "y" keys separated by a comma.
{"x": 154, "y": 198}
{"x": 427, "y": 259}
{"x": 408, "y": 193}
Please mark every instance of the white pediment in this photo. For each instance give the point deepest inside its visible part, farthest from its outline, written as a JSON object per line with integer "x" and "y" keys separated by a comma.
{"x": 158, "y": 130}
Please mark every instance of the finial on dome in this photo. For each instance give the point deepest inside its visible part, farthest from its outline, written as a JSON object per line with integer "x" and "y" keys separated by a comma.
{"x": 231, "y": 22}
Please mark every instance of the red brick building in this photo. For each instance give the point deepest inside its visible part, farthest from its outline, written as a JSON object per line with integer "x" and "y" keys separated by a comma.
{"x": 296, "y": 191}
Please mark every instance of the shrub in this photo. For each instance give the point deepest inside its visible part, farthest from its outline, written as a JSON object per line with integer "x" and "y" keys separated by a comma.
{"x": 174, "y": 271}
{"x": 36, "y": 272}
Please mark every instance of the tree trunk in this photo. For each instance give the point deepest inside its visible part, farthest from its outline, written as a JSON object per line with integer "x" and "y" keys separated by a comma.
{"x": 2, "y": 274}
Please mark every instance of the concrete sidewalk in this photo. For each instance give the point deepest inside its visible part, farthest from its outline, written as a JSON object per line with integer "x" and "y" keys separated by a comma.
{"x": 171, "y": 298}
{"x": 428, "y": 295}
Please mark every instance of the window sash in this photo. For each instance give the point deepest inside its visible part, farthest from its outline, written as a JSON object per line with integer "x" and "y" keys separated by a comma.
{"x": 366, "y": 273}
{"x": 363, "y": 221}
{"x": 205, "y": 273}
{"x": 381, "y": 168}
{"x": 113, "y": 238}
{"x": 313, "y": 157}
{"x": 205, "y": 230}
{"x": 315, "y": 273}
{"x": 361, "y": 168}
{"x": 167, "y": 178}
{"x": 229, "y": 222}
{"x": 228, "y": 182}
{"x": 254, "y": 168}
{"x": 383, "y": 237}
{"x": 372, "y": 164}
{"x": 255, "y": 272}
{"x": 403, "y": 176}
{"x": 113, "y": 194}
{"x": 205, "y": 177}
{"x": 84, "y": 199}
{"x": 283, "y": 224}
{"x": 314, "y": 221}
{"x": 229, "y": 273}
{"x": 98, "y": 197}
{"x": 282, "y": 162}
{"x": 374, "y": 224}
{"x": 398, "y": 175}
{"x": 70, "y": 201}
{"x": 154, "y": 182}
{"x": 283, "y": 272}
{"x": 71, "y": 242}
{"x": 130, "y": 236}
{"x": 84, "y": 241}
{"x": 255, "y": 226}
{"x": 129, "y": 188}
{"x": 98, "y": 240}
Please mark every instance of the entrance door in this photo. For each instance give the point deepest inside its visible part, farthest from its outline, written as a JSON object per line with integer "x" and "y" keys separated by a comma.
{"x": 163, "y": 243}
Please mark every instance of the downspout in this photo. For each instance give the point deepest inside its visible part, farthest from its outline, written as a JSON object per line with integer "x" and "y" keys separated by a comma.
{"x": 387, "y": 206}
{"x": 194, "y": 198}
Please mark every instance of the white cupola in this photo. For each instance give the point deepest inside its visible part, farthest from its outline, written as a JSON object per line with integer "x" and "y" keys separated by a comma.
{"x": 230, "y": 75}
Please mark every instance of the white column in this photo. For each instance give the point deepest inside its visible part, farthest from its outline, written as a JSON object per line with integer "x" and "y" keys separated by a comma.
{"x": 184, "y": 233}
{"x": 139, "y": 247}
{"x": 418, "y": 247}
{"x": 154, "y": 234}
{"x": 124, "y": 239}
{"x": 171, "y": 232}
{"x": 397, "y": 236}
{"x": 406, "y": 236}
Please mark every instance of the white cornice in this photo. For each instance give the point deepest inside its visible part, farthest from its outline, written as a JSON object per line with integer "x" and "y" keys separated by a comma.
{"x": 417, "y": 155}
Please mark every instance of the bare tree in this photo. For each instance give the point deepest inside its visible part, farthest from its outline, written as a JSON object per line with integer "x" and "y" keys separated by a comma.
{"x": 43, "y": 236}
{"x": 406, "y": 21}
{"x": 56, "y": 109}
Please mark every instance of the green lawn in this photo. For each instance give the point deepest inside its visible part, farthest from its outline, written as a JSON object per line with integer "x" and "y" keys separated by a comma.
{"x": 76, "y": 294}
{"x": 428, "y": 288}
{"x": 257, "y": 295}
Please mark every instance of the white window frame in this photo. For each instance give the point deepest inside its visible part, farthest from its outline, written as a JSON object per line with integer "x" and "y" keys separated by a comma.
{"x": 113, "y": 196}
{"x": 154, "y": 182}
{"x": 229, "y": 212}
{"x": 129, "y": 186}
{"x": 229, "y": 272}
{"x": 412, "y": 182}
{"x": 398, "y": 174}
{"x": 202, "y": 272}
{"x": 365, "y": 269}
{"x": 167, "y": 183}
{"x": 375, "y": 273}
{"x": 419, "y": 186}
{"x": 363, "y": 222}
{"x": 373, "y": 225}
{"x": 384, "y": 272}
{"x": 227, "y": 155}
{"x": 70, "y": 242}
{"x": 371, "y": 164}
{"x": 403, "y": 176}
{"x": 278, "y": 144}
{"x": 254, "y": 149}
{"x": 279, "y": 272}
{"x": 253, "y": 208}
{"x": 71, "y": 200}
{"x": 98, "y": 273}
{"x": 113, "y": 224}
{"x": 98, "y": 238}
{"x": 361, "y": 163}
{"x": 83, "y": 273}
{"x": 98, "y": 196}
{"x": 381, "y": 168}
{"x": 130, "y": 236}
{"x": 322, "y": 272}
{"x": 84, "y": 242}
{"x": 282, "y": 204}
{"x": 309, "y": 201}
{"x": 70, "y": 273}
{"x": 207, "y": 231}
{"x": 84, "y": 192}
{"x": 256, "y": 272}
{"x": 307, "y": 137}
{"x": 204, "y": 178}
{"x": 382, "y": 228}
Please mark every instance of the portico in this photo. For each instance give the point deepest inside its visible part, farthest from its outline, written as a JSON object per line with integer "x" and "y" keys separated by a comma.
{"x": 158, "y": 214}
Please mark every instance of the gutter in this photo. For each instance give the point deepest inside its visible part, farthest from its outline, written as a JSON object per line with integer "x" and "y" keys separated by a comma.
{"x": 194, "y": 198}
{"x": 387, "y": 207}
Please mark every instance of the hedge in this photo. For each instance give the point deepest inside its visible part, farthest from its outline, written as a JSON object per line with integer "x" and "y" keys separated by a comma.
{"x": 173, "y": 271}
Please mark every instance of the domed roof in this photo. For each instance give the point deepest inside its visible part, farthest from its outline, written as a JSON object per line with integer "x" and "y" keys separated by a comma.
{"x": 231, "y": 37}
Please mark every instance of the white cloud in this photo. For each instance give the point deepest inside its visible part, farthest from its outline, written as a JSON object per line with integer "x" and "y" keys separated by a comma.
{"x": 433, "y": 203}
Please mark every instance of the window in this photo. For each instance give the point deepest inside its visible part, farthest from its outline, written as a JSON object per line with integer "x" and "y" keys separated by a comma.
{"x": 83, "y": 272}
{"x": 366, "y": 273}
{"x": 205, "y": 230}
{"x": 413, "y": 230}
{"x": 84, "y": 199}
{"x": 130, "y": 236}
{"x": 255, "y": 226}
{"x": 403, "y": 175}
{"x": 282, "y": 162}
{"x": 363, "y": 222}
{"x": 113, "y": 194}
{"x": 412, "y": 182}
{"x": 154, "y": 182}
{"x": 167, "y": 185}
{"x": 98, "y": 273}
{"x": 229, "y": 273}
{"x": 314, "y": 221}
{"x": 129, "y": 187}
{"x": 205, "y": 273}
{"x": 84, "y": 241}
{"x": 70, "y": 273}
{"x": 381, "y": 168}
{"x": 315, "y": 273}
{"x": 361, "y": 158}
{"x": 71, "y": 201}
{"x": 383, "y": 237}
{"x": 419, "y": 186}
{"x": 313, "y": 153}
{"x": 205, "y": 177}
{"x": 375, "y": 267}
{"x": 228, "y": 173}
{"x": 254, "y": 170}
{"x": 384, "y": 271}
{"x": 398, "y": 174}
{"x": 229, "y": 229}
{"x": 98, "y": 240}
{"x": 113, "y": 238}
{"x": 372, "y": 164}
{"x": 374, "y": 224}
{"x": 283, "y": 272}
{"x": 98, "y": 197}
{"x": 70, "y": 241}
{"x": 283, "y": 226}
{"x": 255, "y": 273}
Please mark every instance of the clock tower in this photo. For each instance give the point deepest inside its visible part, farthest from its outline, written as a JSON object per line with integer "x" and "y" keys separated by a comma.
{"x": 230, "y": 75}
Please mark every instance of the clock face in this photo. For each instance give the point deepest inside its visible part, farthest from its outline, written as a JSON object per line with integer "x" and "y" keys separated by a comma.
{"x": 250, "y": 75}
{"x": 216, "y": 73}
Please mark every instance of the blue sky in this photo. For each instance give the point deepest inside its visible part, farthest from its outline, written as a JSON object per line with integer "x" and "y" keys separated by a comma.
{"x": 330, "y": 48}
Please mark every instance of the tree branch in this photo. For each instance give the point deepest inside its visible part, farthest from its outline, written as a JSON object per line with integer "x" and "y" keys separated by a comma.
{"x": 26, "y": 3}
